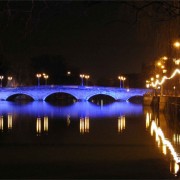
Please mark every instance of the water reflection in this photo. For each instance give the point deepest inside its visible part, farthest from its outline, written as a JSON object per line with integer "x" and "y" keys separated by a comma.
{"x": 1, "y": 123}
{"x": 167, "y": 144}
{"x": 75, "y": 110}
{"x": 9, "y": 122}
{"x": 176, "y": 138}
{"x": 121, "y": 123}
{"x": 42, "y": 124}
{"x": 39, "y": 125}
{"x": 81, "y": 110}
{"x": 110, "y": 129}
{"x": 46, "y": 124}
{"x": 68, "y": 121}
{"x": 84, "y": 125}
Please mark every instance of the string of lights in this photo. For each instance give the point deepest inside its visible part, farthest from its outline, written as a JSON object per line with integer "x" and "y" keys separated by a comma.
{"x": 164, "y": 78}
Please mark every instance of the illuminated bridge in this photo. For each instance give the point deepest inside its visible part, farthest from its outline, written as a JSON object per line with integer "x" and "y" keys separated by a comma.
{"x": 80, "y": 93}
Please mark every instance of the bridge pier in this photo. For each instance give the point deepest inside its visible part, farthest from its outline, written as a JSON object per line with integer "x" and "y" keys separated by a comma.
{"x": 147, "y": 100}
{"x": 82, "y": 100}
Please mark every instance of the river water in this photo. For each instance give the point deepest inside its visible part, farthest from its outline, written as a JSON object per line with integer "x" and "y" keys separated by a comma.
{"x": 83, "y": 140}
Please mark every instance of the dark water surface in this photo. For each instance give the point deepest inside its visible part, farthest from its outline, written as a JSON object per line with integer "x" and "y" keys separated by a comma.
{"x": 121, "y": 140}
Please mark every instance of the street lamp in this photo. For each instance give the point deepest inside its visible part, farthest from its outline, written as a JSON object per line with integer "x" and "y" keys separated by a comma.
{"x": 177, "y": 58}
{"x": 9, "y": 80}
{"x": 174, "y": 87}
{"x": 176, "y": 44}
{"x": 68, "y": 73}
{"x": 82, "y": 76}
{"x": 164, "y": 71}
{"x": 121, "y": 78}
{"x": 157, "y": 76}
{"x": 147, "y": 83}
{"x": 38, "y": 76}
{"x": 87, "y": 77}
{"x": 1, "y": 78}
{"x": 46, "y": 77}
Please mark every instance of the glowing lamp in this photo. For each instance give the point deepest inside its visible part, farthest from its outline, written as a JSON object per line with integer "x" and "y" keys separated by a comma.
{"x": 176, "y": 44}
{"x": 82, "y": 76}
{"x": 157, "y": 76}
{"x": 164, "y": 70}
{"x": 86, "y": 76}
{"x": 121, "y": 78}
{"x": 165, "y": 58}
{"x": 1, "y": 78}
{"x": 9, "y": 78}
{"x": 38, "y": 76}
{"x": 46, "y": 77}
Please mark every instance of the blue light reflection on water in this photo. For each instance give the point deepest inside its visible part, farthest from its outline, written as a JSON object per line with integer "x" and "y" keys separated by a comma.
{"x": 41, "y": 136}
{"x": 75, "y": 110}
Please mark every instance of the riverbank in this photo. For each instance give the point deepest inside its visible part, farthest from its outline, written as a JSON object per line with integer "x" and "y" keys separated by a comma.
{"x": 167, "y": 104}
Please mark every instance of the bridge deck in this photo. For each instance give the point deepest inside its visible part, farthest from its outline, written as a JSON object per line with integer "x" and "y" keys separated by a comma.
{"x": 78, "y": 92}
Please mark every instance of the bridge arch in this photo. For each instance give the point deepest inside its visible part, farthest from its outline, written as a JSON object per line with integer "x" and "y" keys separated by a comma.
{"x": 59, "y": 95}
{"x": 101, "y": 98}
{"x": 100, "y": 94}
{"x": 19, "y": 96}
{"x": 136, "y": 99}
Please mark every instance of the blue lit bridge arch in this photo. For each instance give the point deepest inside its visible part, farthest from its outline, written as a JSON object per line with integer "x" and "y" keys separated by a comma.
{"x": 80, "y": 93}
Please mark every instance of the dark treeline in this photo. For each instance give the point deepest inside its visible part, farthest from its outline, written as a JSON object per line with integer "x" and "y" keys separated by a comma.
{"x": 23, "y": 71}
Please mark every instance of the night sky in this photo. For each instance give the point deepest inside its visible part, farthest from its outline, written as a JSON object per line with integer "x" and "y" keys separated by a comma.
{"x": 99, "y": 37}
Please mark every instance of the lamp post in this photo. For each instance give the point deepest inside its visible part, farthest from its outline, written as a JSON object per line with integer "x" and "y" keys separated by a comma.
{"x": 87, "y": 77}
{"x": 1, "y": 78}
{"x": 147, "y": 83}
{"x": 119, "y": 77}
{"x": 174, "y": 87}
{"x": 38, "y": 76}
{"x": 82, "y": 77}
{"x": 123, "y": 79}
{"x": 46, "y": 77}
{"x": 177, "y": 59}
{"x": 177, "y": 46}
{"x": 9, "y": 80}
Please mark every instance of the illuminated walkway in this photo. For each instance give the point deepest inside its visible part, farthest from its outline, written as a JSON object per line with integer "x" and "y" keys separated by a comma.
{"x": 80, "y": 93}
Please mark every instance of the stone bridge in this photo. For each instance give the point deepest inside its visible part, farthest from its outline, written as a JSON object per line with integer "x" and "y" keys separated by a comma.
{"x": 81, "y": 93}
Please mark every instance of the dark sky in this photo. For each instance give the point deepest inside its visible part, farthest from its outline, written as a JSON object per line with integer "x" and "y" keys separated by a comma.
{"x": 99, "y": 37}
